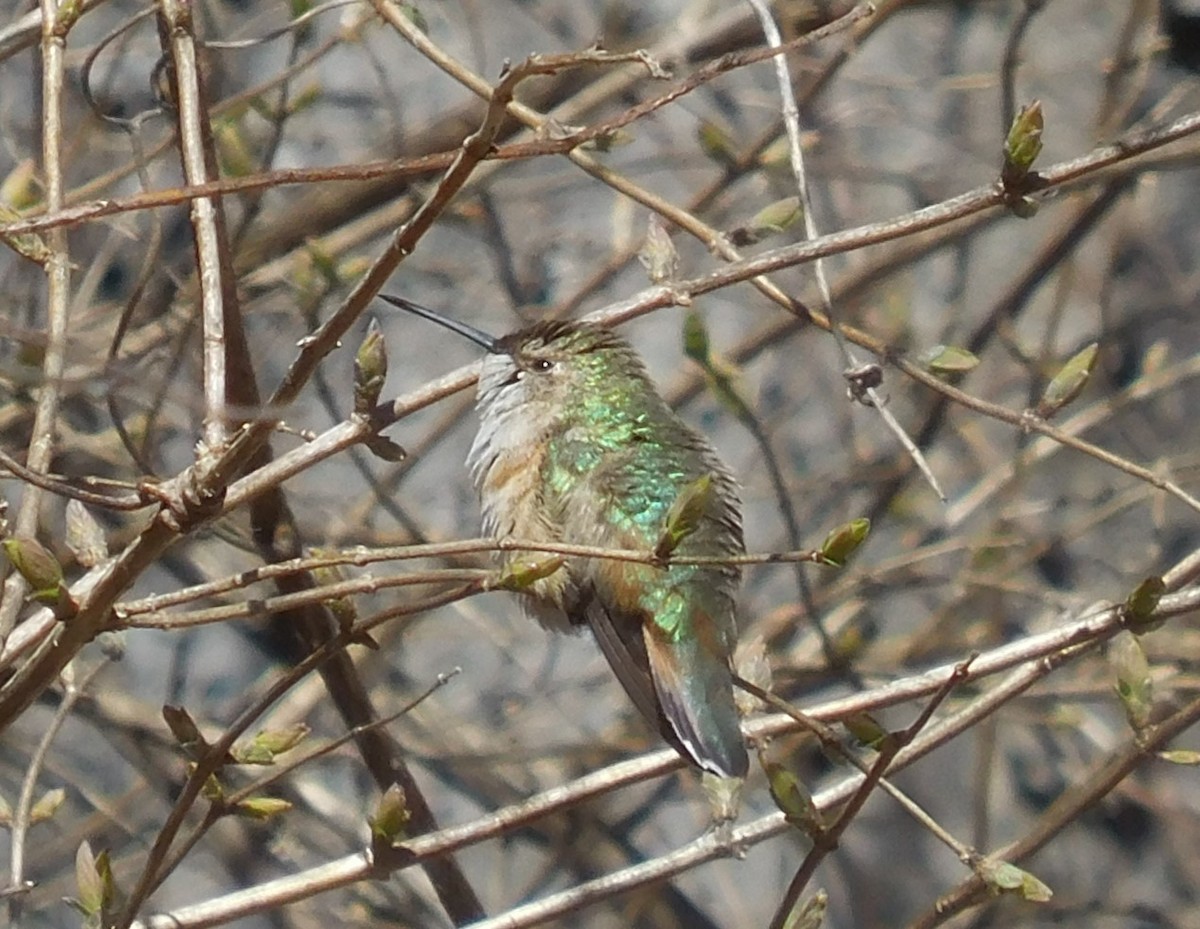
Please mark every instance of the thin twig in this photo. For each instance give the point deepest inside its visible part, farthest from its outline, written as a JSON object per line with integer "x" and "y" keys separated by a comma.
{"x": 473, "y": 151}
{"x": 101, "y": 584}
{"x": 346, "y": 434}
{"x": 791, "y": 122}
{"x": 422, "y": 166}
{"x": 152, "y": 875}
{"x": 831, "y": 743}
{"x": 24, "y": 32}
{"x": 364, "y": 556}
{"x": 1147, "y": 386}
{"x": 58, "y": 294}
{"x": 826, "y": 839}
{"x": 1029, "y": 421}
{"x": 19, "y": 828}
{"x": 1008, "y": 67}
{"x": 197, "y": 494}
{"x": 1036, "y": 656}
{"x": 279, "y": 771}
{"x": 56, "y": 485}
{"x": 309, "y": 597}
{"x": 1066, "y": 809}
{"x": 192, "y": 115}
{"x": 216, "y": 812}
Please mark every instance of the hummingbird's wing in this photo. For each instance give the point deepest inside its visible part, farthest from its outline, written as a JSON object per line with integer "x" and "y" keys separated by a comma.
{"x": 668, "y": 632}
{"x": 620, "y": 639}
{"x": 681, "y": 685}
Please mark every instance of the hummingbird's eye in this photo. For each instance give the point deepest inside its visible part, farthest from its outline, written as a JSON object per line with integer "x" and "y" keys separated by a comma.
{"x": 542, "y": 364}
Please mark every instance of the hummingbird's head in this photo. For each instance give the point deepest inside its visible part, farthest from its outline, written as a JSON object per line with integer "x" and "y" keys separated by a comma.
{"x": 541, "y": 374}
{"x": 549, "y": 369}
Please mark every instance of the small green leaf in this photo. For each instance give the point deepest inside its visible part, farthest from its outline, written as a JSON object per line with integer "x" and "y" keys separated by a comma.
{"x": 685, "y": 514}
{"x": 793, "y": 799}
{"x": 722, "y": 376}
{"x": 1180, "y": 756}
{"x": 1141, "y": 604}
{"x": 948, "y": 361}
{"x": 47, "y": 805}
{"x": 853, "y": 640}
{"x": 32, "y": 247}
{"x": 99, "y": 899}
{"x": 809, "y": 913}
{"x": 266, "y": 745}
{"x": 1034, "y": 890}
{"x": 865, "y": 728}
{"x": 1000, "y": 875}
{"x": 20, "y": 190}
{"x": 607, "y": 141}
{"x": 1024, "y": 207}
{"x": 390, "y": 821}
{"x": 658, "y": 255}
{"x": 88, "y": 882}
{"x": 842, "y": 542}
{"x": 370, "y": 369}
{"x": 716, "y": 144}
{"x": 1003, "y": 877}
{"x": 695, "y": 338}
{"x": 261, "y": 808}
{"x": 384, "y": 448}
{"x": 323, "y": 262}
{"x": 184, "y": 729}
{"x": 112, "y": 896}
{"x": 237, "y": 160}
{"x": 525, "y": 570}
{"x": 771, "y": 220}
{"x": 778, "y": 152}
{"x": 1024, "y": 141}
{"x": 1133, "y": 685}
{"x": 213, "y": 791}
{"x": 278, "y": 741}
{"x": 38, "y": 566}
{"x": 1068, "y": 382}
{"x": 327, "y": 575}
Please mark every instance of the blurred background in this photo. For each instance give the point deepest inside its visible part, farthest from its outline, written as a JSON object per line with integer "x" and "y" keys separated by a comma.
{"x": 900, "y": 111}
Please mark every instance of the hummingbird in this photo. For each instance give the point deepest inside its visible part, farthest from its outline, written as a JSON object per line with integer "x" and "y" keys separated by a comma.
{"x": 576, "y": 446}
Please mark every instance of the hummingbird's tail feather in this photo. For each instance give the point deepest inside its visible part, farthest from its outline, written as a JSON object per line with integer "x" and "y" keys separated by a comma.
{"x": 687, "y": 695}
{"x": 695, "y": 690}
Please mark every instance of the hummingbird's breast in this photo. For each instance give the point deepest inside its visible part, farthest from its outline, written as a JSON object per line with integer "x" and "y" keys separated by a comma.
{"x": 507, "y": 467}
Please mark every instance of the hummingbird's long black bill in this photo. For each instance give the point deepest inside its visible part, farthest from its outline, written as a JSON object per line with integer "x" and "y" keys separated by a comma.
{"x": 478, "y": 336}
